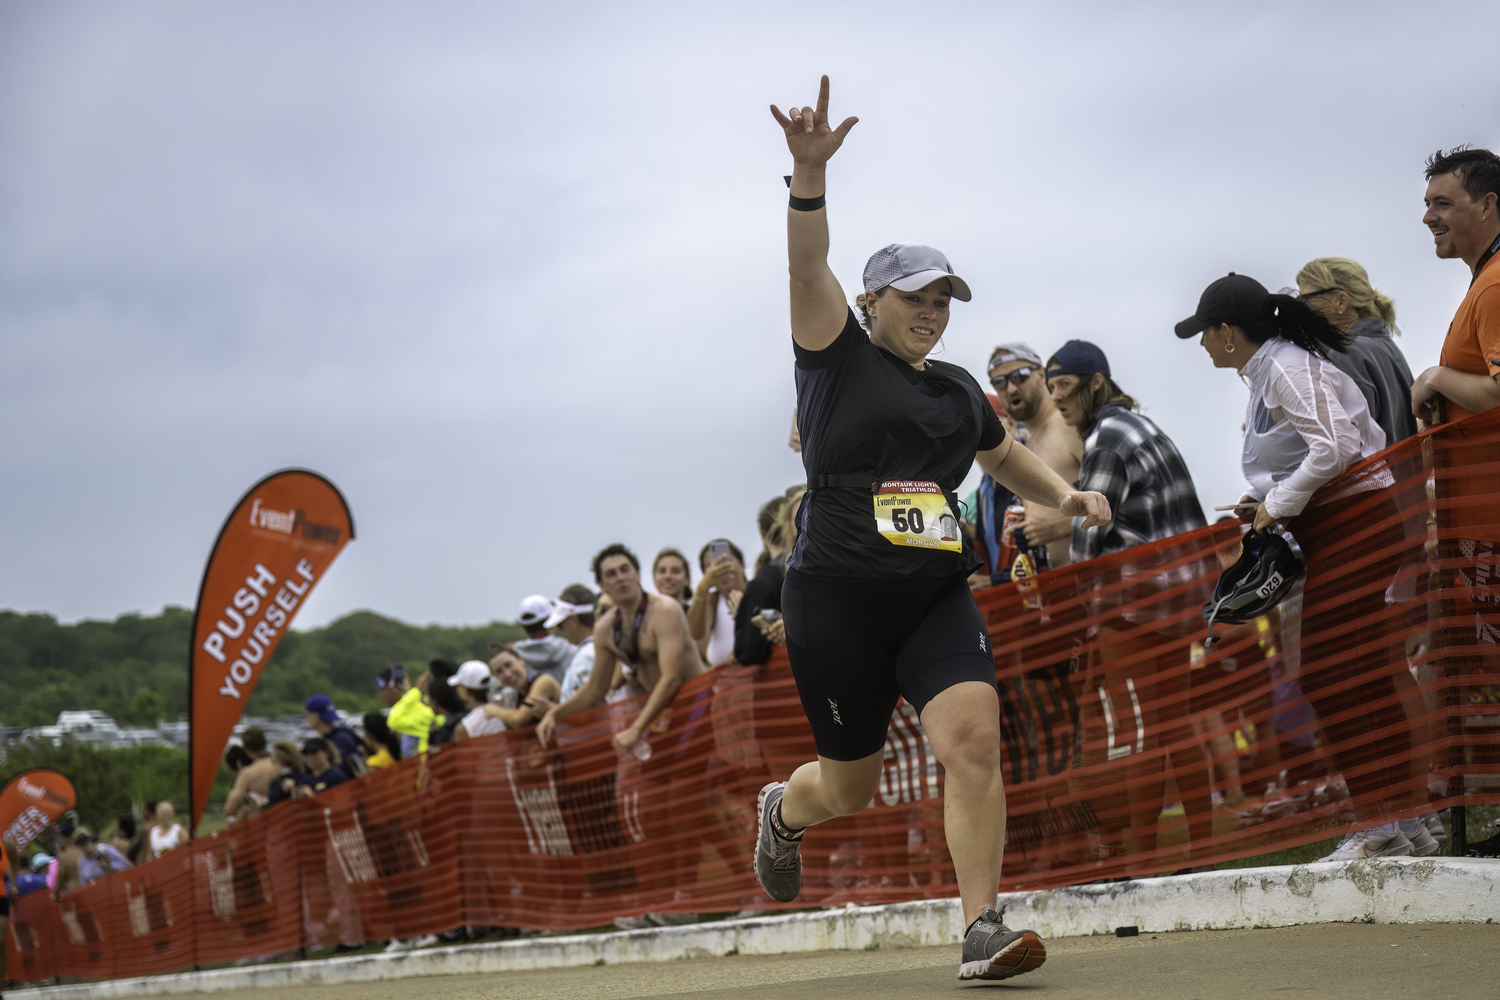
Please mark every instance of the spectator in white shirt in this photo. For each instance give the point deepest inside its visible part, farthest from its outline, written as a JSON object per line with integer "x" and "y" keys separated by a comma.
{"x": 711, "y": 616}
{"x": 473, "y": 682}
{"x": 543, "y": 652}
{"x": 573, "y": 618}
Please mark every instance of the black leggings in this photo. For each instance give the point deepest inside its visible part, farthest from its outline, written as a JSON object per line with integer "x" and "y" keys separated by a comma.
{"x": 856, "y": 644}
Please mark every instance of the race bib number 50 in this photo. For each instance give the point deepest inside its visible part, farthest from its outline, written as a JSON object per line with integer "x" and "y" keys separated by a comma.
{"x": 909, "y": 513}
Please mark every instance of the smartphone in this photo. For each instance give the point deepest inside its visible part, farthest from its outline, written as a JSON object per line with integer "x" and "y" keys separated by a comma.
{"x": 717, "y": 551}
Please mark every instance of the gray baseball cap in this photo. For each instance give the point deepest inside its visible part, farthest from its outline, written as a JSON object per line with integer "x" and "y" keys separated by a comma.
{"x": 910, "y": 266}
{"x": 1016, "y": 350}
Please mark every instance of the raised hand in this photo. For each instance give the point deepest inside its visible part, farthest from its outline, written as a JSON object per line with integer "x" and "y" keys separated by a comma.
{"x": 810, "y": 138}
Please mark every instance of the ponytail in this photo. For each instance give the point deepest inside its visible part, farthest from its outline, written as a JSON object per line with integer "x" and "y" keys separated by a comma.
{"x": 1293, "y": 320}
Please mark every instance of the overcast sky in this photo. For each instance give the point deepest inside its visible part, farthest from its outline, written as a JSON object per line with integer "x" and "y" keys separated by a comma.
{"x": 513, "y": 276}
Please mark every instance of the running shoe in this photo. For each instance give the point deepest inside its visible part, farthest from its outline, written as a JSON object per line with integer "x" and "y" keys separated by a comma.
{"x": 1434, "y": 824}
{"x": 994, "y": 951}
{"x": 1423, "y": 842}
{"x": 1377, "y": 842}
{"x": 778, "y": 860}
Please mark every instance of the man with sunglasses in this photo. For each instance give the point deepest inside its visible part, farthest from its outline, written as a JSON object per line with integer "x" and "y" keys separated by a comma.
{"x": 1016, "y": 373}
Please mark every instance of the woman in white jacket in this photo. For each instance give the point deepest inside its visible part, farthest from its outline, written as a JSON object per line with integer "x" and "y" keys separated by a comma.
{"x": 1306, "y": 424}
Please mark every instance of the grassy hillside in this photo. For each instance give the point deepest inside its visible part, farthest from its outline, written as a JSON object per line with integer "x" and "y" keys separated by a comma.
{"x": 135, "y": 667}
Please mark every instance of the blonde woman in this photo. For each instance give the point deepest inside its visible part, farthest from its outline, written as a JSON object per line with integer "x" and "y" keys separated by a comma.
{"x": 1339, "y": 290}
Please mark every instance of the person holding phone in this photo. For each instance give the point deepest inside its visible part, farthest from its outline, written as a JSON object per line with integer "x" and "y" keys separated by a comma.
{"x": 876, "y": 603}
{"x": 717, "y": 599}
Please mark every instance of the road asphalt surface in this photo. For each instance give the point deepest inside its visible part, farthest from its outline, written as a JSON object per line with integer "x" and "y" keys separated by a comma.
{"x": 1331, "y": 961}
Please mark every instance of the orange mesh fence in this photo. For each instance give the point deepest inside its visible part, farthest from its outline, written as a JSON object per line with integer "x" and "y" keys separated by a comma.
{"x": 1373, "y": 693}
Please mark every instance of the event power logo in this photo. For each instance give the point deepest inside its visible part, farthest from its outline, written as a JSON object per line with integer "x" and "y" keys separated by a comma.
{"x": 291, "y": 522}
{"x": 40, "y": 792}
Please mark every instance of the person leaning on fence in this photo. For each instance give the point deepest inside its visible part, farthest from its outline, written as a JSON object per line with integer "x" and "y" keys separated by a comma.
{"x": 1463, "y": 213}
{"x": 573, "y": 617}
{"x": 543, "y": 652}
{"x": 291, "y": 771}
{"x": 323, "y": 719}
{"x": 1138, "y": 469}
{"x": 1126, "y": 457}
{"x": 1306, "y": 422}
{"x": 525, "y": 696}
{"x": 646, "y": 635}
{"x": 252, "y": 785}
{"x": 324, "y": 768}
{"x": 473, "y": 682}
{"x": 1339, "y": 290}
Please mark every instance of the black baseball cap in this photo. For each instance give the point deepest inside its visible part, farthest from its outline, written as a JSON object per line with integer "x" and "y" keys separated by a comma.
{"x": 1078, "y": 357}
{"x": 1234, "y": 298}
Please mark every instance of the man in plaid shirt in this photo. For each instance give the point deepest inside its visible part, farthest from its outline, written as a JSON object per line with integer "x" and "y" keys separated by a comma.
{"x": 1125, "y": 456}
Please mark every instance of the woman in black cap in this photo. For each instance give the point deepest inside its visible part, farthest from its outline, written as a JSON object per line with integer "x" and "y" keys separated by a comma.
{"x": 876, "y": 601}
{"x": 1305, "y": 424}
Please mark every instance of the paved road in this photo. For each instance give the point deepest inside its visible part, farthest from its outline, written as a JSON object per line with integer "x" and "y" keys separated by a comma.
{"x": 1332, "y": 961}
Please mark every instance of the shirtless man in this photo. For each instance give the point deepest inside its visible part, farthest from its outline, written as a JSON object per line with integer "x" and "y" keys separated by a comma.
{"x": 1047, "y": 436}
{"x": 252, "y": 786}
{"x": 646, "y": 635}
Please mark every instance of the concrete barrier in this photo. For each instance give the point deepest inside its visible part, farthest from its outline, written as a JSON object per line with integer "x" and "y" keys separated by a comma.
{"x": 1387, "y": 890}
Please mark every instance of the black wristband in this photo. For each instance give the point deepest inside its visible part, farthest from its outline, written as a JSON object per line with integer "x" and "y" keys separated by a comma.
{"x": 804, "y": 204}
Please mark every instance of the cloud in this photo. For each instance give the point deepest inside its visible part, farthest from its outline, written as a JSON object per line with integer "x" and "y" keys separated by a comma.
{"x": 515, "y": 278}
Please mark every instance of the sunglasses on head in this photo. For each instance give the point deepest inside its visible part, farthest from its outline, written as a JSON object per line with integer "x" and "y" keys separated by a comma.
{"x": 1016, "y": 378}
{"x": 1297, "y": 295}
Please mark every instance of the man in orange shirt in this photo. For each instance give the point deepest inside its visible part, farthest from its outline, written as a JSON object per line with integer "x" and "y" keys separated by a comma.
{"x": 1463, "y": 212}
{"x": 1463, "y": 188}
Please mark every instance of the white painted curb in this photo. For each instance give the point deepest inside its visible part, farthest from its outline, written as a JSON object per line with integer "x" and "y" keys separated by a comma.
{"x": 1383, "y": 891}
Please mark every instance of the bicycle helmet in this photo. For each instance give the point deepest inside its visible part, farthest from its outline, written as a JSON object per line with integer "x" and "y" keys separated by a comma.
{"x": 1258, "y": 581}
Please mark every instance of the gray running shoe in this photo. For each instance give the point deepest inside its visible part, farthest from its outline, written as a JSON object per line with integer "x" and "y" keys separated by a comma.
{"x": 994, "y": 951}
{"x": 778, "y": 861}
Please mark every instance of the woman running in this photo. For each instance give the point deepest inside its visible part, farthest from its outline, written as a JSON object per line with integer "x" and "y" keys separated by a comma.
{"x": 876, "y": 601}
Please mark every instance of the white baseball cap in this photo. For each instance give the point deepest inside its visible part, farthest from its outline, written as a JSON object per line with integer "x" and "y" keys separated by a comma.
{"x": 534, "y": 609}
{"x": 472, "y": 674}
{"x": 562, "y": 610}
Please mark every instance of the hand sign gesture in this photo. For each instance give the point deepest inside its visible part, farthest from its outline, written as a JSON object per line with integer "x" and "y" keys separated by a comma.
{"x": 808, "y": 135}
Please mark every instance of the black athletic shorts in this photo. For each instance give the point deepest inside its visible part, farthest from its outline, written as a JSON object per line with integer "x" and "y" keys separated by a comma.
{"x": 857, "y": 643}
{"x": 4, "y": 908}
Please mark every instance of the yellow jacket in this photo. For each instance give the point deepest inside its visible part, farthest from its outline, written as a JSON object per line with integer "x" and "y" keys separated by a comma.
{"x": 411, "y": 718}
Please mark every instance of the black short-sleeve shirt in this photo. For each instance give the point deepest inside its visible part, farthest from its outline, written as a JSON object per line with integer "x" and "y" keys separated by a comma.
{"x": 863, "y": 411}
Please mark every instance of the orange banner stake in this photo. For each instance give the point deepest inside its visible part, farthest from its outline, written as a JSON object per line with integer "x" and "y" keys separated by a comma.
{"x": 274, "y": 548}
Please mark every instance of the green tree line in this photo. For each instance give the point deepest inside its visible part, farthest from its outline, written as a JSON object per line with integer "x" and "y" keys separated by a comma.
{"x": 109, "y": 781}
{"x": 135, "y": 667}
